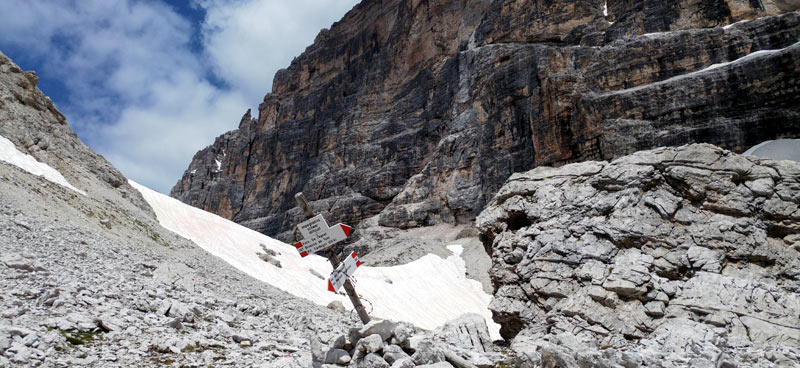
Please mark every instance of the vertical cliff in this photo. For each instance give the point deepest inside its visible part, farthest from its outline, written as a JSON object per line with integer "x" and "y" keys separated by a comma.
{"x": 417, "y": 111}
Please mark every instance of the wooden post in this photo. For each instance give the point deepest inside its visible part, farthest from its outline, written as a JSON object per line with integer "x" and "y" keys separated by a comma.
{"x": 334, "y": 259}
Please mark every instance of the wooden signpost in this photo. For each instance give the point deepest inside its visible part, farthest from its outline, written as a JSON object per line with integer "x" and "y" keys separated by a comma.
{"x": 319, "y": 238}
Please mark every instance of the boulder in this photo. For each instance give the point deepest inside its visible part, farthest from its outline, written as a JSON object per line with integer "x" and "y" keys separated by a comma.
{"x": 384, "y": 328}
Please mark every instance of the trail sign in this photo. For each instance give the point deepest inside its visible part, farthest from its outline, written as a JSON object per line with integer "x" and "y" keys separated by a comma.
{"x": 343, "y": 271}
{"x": 317, "y": 236}
{"x": 315, "y": 227}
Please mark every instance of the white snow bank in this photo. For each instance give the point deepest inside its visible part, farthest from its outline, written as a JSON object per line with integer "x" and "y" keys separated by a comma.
{"x": 427, "y": 292}
{"x": 9, "y": 153}
{"x": 779, "y": 149}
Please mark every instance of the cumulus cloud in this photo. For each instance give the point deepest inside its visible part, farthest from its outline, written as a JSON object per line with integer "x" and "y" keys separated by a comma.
{"x": 139, "y": 90}
{"x": 248, "y": 41}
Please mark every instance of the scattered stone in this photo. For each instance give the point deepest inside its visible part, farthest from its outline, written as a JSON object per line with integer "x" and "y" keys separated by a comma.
{"x": 338, "y": 306}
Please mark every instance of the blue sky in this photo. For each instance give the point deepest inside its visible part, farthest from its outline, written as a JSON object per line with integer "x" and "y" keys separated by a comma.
{"x": 147, "y": 83}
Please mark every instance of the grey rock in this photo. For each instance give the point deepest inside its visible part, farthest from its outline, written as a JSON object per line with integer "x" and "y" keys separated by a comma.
{"x": 175, "y": 323}
{"x": 337, "y": 356}
{"x": 384, "y": 328}
{"x": 369, "y": 361}
{"x": 367, "y": 345}
{"x": 468, "y": 332}
{"x": 401, "y": 334}
{"x": 683, "y": 263}
{"x": 427, "y": 353}
{"x": 404, "y": 363}
{"x": 393, "y": 353}
{"x": 339, "y": 342}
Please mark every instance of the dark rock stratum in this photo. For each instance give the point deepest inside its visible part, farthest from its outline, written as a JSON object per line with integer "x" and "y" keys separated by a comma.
{"x": 417, "y": 111}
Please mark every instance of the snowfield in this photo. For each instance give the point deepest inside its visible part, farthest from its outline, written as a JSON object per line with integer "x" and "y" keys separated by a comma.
{"x": 427, "y": 292}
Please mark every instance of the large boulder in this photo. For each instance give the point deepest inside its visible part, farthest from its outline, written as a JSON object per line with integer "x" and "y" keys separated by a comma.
{"x": 663, "y": 256}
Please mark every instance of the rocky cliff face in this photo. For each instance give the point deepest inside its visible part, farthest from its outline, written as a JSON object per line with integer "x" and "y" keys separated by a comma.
{"x": 660, "y": 258}
{"x": 416, "y": 112}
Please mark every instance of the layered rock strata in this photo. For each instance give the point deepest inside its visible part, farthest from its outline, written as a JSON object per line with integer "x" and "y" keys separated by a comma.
{"x": 660, "y": 258}
{"x": 417, "y": 112}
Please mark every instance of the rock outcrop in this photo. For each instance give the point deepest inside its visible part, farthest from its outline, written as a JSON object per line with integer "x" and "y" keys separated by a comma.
{"x": 660, "y": 258}
{"x": 30, "y": 120}
{"x": 416, "y": 111}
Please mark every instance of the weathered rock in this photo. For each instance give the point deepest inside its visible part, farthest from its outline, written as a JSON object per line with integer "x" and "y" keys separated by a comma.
{"x": 367, "y": 345}
{"x": 371, "y": 360}
{"x": 468, "y": 332}
{"x": 337, "y": 356}
{"x": 439, "y": 104}
{"x": 427, "y": 353}
{"x": 629, "y": 261}
{"x": 384, "y": 328}
{"x": 393, "y": 353}
{"x": 402, "y": 332}
{"x": 404, "y": 363}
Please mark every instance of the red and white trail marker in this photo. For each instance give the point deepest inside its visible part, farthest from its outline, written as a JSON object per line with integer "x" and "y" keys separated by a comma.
{"x": 317, "y": 236}
{"x": 346, "y": 269}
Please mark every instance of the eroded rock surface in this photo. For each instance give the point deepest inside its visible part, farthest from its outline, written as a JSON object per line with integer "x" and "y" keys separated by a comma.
{"x": 663, "y": 257}
{"x": 417, "y": 111}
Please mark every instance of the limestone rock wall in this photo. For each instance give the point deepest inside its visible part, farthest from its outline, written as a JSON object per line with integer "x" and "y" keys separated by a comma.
{"x": 416, "y": 112}
{"x": 661, "y": 257}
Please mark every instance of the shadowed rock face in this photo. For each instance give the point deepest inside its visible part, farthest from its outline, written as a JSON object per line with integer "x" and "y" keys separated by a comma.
{"x": 416, "y": 111}
{"x": 642, "y": 258}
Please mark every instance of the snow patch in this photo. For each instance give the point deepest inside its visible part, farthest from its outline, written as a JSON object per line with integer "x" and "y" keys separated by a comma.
{"x": 457, "y": 249}
{"x": 732, "y": 24}
{"x": 605, "y": 9}
{"x": 427, "y": 292}
{"x": 10, "y": 154}
{"x": 750, "y": 56}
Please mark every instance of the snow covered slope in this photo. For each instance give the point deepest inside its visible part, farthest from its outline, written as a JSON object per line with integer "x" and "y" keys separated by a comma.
{"x": 427, "y": 292}
{"x": 9, "y": 153}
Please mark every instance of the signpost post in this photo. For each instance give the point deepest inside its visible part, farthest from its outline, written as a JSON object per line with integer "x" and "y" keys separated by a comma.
{"x": 316, "y": 236}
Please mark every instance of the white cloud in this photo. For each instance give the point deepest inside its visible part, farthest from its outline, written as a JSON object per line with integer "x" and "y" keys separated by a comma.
{"x": 248, "y": 41}
{"x": 138, "y": 93}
